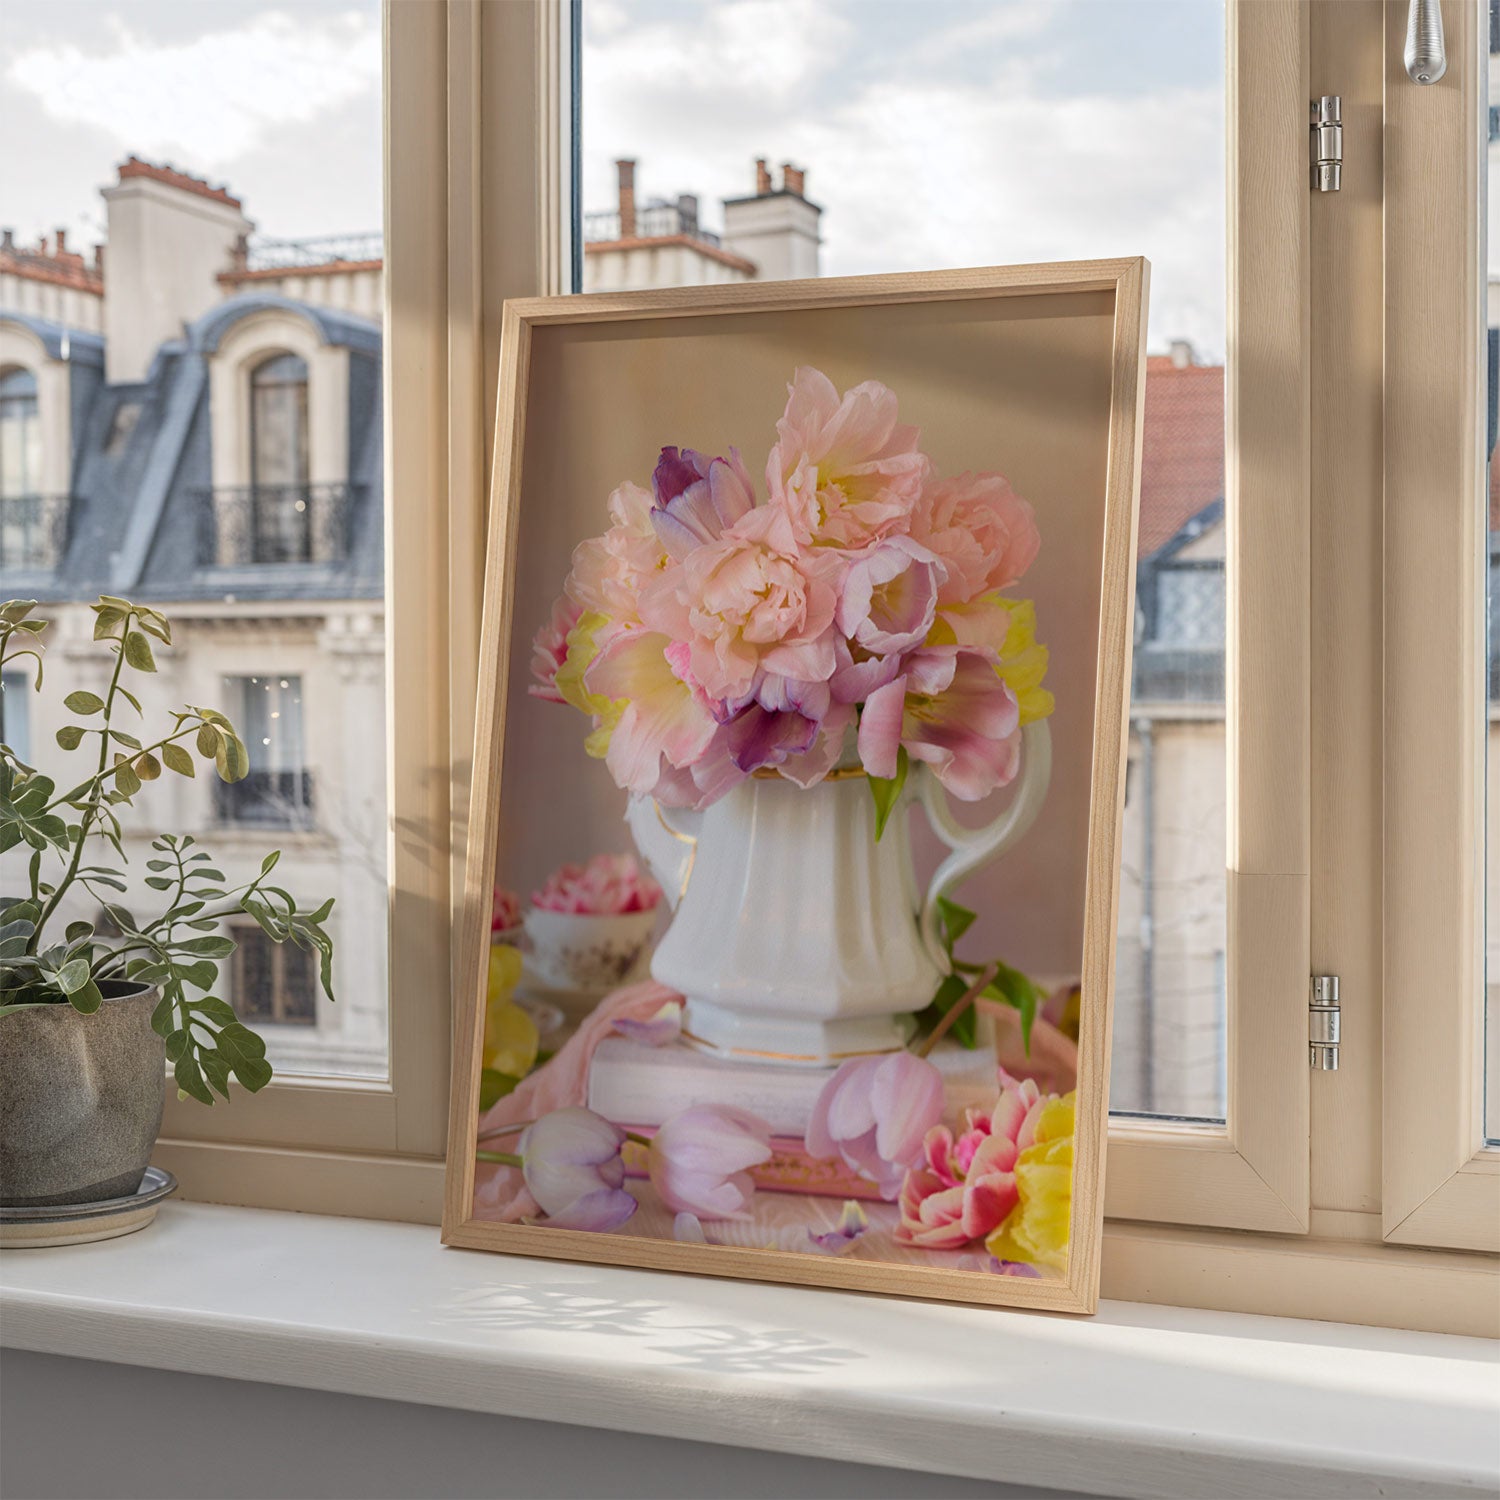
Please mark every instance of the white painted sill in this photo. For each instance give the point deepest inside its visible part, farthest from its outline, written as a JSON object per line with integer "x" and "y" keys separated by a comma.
{"x": 1140, "y": 1400}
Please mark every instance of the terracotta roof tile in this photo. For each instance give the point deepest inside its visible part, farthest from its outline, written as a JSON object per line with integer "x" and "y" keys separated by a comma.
{"x": 133, "y": 166}
{"x": 283, "y": 273}
{"x": 642, "y": 242}
{"x": 1182, "y": 454}
{"x": 57, "y": 267}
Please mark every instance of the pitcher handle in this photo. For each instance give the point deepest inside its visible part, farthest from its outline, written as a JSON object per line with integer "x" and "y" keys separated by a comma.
{"x": 973, "y": 848}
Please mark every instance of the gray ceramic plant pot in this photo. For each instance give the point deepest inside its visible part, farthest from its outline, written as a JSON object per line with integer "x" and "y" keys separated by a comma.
{"x": 80, "y": 1099}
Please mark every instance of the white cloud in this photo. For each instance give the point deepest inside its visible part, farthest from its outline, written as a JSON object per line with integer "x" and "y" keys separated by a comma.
{"x": 916, "y": 165}
{"x": 211, "y": 99}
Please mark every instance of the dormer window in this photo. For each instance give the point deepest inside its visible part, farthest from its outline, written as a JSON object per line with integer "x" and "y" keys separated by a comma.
{"x": 25, "y": 531}
{"x": 280, "y": 494}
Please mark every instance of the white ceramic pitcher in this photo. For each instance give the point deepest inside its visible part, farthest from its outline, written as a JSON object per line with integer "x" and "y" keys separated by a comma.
{"x": 796, "y": 937}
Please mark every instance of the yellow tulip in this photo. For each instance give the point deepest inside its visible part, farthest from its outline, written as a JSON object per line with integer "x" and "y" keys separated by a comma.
{"x": 511, "y": 1039}
{"x": 582, "y": 649}
{"x": 1037, "y": 1228}
{"x": 1023, "y": 662}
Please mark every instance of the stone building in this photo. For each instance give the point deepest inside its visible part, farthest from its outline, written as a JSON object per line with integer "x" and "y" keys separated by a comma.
{"x": 195, "y": 423}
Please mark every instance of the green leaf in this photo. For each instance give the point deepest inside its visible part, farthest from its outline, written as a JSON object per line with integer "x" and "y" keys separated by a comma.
{"x": 202, "y": 975}
{"x": 129, "y": 697}
{"x": 887, "y": 791}
{"x": 177, "y": 1044}
{"x": 70, "y": 736}
{"x": 209, "y": 947}
{"x": 207, "y": 741}
{"x": 127, "y": 783}
{"x": 160, "y": 882}
{"x": 13, "y": 611}
{"x": 138, "y": 655}
{"x": 155, "y": 624}
{"x": 269, "y": 862}
{"x": 233, "y": 759}
{"x": 147, "y": 767}
{"x": 1013, "y": 988}
{"x": 949, "y": 993}
{"x": 86, "y": 999}
{"x": 161, "y": 1017}
{"x": 177, "y": 759}
{"x": 956, "y": 920}
{"x": 106, "y": 617}
{"x": 190, "y": 1079}
{"x": 246, "y": 1056}
{"x": 220, "y": 1012}
{"x": 75, "y": 932}
{"x": 493, "y": 1086}
{"x": 216, "y": 1071}
{"x": 83, "y": 702}
{"x": 128, "y": 740}
{"x": 73, "y": 976}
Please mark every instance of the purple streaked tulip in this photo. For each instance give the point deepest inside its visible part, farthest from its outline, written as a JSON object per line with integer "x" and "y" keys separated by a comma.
{"x": 890, "y": 596}
{"x": 699, "y": 1160}
{"x": 697, "y": 498}
{"x": 572, "y": 1165}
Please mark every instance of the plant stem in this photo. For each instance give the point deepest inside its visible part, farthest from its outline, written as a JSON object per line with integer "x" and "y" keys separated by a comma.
{"x": 957, "y": 1009}
{"x": 501, "y": 1158}
{"x": 90, "y": 815}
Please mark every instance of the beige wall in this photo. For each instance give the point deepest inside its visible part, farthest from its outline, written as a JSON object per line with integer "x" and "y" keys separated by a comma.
{"x": 46, "y": 299}
{"x": 354, "y": 291}
{"x": 649, "y": 265}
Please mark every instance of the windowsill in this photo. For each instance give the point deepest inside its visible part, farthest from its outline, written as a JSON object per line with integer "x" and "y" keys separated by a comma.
{"x": 1138, "y": 1400}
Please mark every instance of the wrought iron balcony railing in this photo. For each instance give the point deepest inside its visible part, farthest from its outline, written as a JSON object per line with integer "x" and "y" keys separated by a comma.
{"x": 273, "y": 523}
{"x": 652, "y": 222}
{"x": 33, "y": 531}
{"x": 267, "y": 799}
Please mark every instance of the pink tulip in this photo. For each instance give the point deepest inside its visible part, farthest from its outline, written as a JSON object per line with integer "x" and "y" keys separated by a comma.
{"x": 572, "y": 1165}
{"x": 609, "y": 571}
{"x": 981, "y": 529}
{"x": 950, "y": 709}
{"x": 843, "y": 469}
{"x": 874, "y": 1113}
{"x": 549, "y": 649}
{"x": 890, "y": 596}
{"x": 699, "y": 1160}
{"x": 966, "y": 1186}
{"x": 697, "y": 498}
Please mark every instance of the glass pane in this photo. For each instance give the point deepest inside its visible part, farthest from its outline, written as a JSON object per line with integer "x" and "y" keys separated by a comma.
{"x": 900, "y": 135}
{"x": 240, "y": 494}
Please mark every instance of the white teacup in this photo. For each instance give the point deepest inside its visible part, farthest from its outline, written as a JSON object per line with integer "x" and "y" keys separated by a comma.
{"x": 582, "y": 952}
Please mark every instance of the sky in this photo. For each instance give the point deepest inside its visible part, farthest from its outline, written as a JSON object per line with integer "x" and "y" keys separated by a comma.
{"x": 934, "y": 132}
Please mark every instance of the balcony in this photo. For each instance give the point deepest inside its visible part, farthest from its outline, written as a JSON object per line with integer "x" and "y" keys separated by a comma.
{"x": 33, "y": 532}
{"x": 267, "y": 524}
{"x": 266, "y": 799}
{"x": 654, "y": 221}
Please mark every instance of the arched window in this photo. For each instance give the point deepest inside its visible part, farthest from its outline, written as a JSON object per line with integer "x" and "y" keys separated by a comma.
{"x": 280, "y": 514}
{"x": 23, "y": 538}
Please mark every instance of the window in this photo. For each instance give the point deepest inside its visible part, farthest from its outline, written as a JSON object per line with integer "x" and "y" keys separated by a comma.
{"x": 280, "y": 523}
{"x": 15, "y": 712}
{"x": 273, "y": 983}
{"x": 278, "y": 790}
{"x": 24, "y": 511}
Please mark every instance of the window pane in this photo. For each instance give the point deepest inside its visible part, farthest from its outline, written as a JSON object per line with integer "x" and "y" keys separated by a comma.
{"x": 903, "y": 135}
{"x": 208, "y": 329}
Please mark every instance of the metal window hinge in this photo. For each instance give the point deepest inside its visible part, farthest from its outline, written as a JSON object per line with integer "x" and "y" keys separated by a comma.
{"x": 1323, "y": 1023}
{"x": 1327, "y": 142}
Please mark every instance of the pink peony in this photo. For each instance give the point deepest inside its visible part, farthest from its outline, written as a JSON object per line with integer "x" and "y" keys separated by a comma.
{"x": 608, "y": 885}
{"x": 697, "y": 498}
{"x": 843, "y": 469}
{"x": 699, "y": 1160}
{"x": 966, "y": 1186}
{"x": 981, "y": 529}
{"x": 610, "y": 571}
{"x": 505, "y": 910}
{"x": 950, "y": 709}
{"x": 549, "y": 649}
{"x": 874, "y": 1114}
{"x": 750, "y": 603}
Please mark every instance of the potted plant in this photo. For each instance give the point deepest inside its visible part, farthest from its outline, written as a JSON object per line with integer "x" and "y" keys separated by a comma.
{"x": 92, "y": 1011}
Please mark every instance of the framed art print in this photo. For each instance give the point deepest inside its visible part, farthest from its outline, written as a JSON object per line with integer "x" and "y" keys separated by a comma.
{"x": 789, "y": 924}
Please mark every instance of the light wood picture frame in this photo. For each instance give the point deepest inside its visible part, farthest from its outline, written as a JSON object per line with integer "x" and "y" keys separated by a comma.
{"x": 1036, "y": 371}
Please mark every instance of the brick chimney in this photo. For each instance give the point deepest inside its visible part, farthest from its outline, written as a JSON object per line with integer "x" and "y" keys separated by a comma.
{"x": 170, "y": 235}
{"x": 778, "y": 230}
{"x": 626, "y": 171}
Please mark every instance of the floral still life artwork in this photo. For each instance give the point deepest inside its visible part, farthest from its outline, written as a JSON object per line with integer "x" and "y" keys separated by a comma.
{"x": 766, "y": 1000}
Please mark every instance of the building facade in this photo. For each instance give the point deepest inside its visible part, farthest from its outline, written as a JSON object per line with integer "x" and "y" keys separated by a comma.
{"x": 194, "y": 424}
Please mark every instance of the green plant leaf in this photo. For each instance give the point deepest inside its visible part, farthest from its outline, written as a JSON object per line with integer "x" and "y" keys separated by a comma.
{"x": 70, "y": 736}
{"x": 1013, "y": 988}
{"x": 190, "y": 1079}
{"x": 73, "y": 975}
{"x": 106, "y": 617}
{"x": 220, "y": 1012}
{"x": 202, "y": 975}
{"x": 209, "y": 947}
{"x": 177, "y": 1044}
{"x": 138, "y": 655}
{"x": 127, "y": 783}
{"x": 147, "y": 767}
{"x": 949, "y": 993}
{"x": 887, "y": 792}
{"x": 955, "y": 919}
{"x": 216, "y": 1071}
{"x": 233, "y": 759}
{"x": 246, "y": 1055}
{"x": 207, "y": 741}
{"x": 128, "y": 740}
{"x": 86, "y": 999}
{"x": 83, "y": 702}
{"x": 269, "y": 862}
{"x": 77, "y": 932}
{"x": 177, "y": 759}
{"x": 161, "y": 1017}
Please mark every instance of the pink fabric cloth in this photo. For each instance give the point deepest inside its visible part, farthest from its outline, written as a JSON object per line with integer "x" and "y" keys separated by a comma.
{"x": 500, "y": 1192}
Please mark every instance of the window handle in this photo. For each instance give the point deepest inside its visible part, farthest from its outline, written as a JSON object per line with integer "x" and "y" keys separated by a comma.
{"x": 1426, "y": 57}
